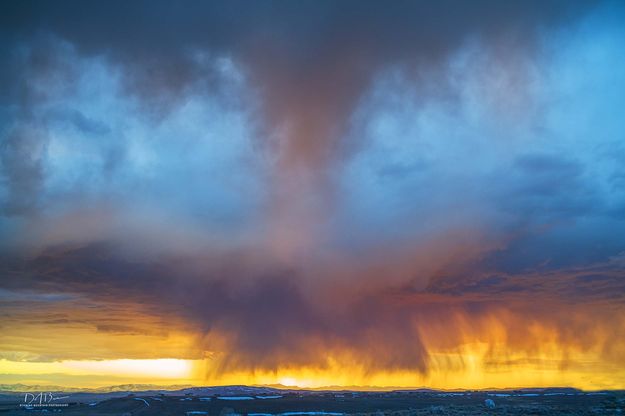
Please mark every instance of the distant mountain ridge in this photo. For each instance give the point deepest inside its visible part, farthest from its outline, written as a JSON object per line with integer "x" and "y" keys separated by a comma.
{"x": 234, "y": 390}
{"x": 107, "y": 389}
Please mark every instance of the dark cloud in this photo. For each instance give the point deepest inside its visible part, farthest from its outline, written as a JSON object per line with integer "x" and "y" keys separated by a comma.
{"x": 370, "y": 179}
{"x": 311, "y": 60}
{"x": 22, "y": 173}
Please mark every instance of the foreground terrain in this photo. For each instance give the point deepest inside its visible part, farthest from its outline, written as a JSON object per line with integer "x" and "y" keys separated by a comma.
{"x": 251, "y": 401}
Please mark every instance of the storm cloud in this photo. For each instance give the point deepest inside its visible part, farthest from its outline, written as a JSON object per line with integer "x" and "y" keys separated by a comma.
{"x": 306, "y": 182}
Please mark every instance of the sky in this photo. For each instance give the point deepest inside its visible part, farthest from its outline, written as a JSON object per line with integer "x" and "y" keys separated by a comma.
{"x": 313, "y": 193}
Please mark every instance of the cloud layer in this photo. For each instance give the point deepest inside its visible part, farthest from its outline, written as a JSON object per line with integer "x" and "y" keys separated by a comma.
{"x": 305, "y": 184}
